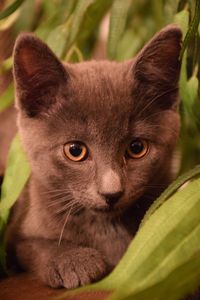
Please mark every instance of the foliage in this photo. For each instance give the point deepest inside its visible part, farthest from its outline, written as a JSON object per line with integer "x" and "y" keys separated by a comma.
{"x": 165, "y": 248}
{"x": 166, "y": 244}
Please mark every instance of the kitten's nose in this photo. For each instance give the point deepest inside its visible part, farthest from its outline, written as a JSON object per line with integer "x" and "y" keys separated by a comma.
{"x": 112, "y": 199}
{"x": 111, "y": 187}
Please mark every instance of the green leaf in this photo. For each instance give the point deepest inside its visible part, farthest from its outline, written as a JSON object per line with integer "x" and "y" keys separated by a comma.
{"x": 57, "y": 40}
{"x": 10, "y": 9}
{"x": 192, "y": 29}
{"x": 74, "y": 54}
{"x": 166, "y": 241}
{"x": 130, "y": 43}
{"x": 7, "y": 98}
{"x": 118, "y": 18}
{"x": 181, "y": 282}
{"x": 26, "y": 20}
{"x": 157, "y": 9}
{"x": 78, "y": 17}
{"x": 16, "y": 175}
{"x": 91, "y": 22}
{"x": 66, "y": 8}
{"x": 54, "y": 17}
{"x": 6, "y": 65}
{"x": 182, "y": 19}
{"x": 191, "y": 94}
{"x": 9, "y": 22}
{"x": 169, "y": 239}
{"x": 174, "y": 186}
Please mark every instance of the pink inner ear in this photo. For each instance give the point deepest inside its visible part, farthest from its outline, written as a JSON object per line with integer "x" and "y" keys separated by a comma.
{"x": 28, "y": 60}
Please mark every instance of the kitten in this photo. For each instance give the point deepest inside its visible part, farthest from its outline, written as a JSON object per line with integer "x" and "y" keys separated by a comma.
{"x": 100, "y": 137}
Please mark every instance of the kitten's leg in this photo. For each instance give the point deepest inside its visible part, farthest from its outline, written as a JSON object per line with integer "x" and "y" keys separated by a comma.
{"x": 61, "y": 266}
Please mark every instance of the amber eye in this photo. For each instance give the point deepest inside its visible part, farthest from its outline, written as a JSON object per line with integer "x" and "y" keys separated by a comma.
{"x": 137, "y": 148}
{"x": 75, "y": 151}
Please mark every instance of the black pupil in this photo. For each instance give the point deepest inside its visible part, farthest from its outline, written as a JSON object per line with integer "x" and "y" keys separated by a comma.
{"x": 75, "y": 150}
{"x": 136, "y": 147}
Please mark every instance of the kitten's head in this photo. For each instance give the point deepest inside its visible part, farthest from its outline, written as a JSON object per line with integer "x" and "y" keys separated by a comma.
{"x": 102, "y": 133}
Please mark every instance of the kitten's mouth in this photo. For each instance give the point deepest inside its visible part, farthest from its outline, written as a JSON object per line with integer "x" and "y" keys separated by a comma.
{"x": 108, "y": 210}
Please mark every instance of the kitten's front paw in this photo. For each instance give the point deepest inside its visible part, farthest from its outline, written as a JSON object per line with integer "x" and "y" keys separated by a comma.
{"x": 76, "y": 268}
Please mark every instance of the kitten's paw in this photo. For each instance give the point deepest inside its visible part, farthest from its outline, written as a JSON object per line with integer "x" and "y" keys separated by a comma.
{"x": 76, "y": 268}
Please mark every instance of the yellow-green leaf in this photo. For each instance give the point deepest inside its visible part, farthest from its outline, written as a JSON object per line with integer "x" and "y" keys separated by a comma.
{"x": 16, "y": 175}
{"x": 119, "y": 14}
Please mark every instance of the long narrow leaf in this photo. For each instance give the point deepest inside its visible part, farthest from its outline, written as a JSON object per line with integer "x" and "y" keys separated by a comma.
{"x": 17, "y": 173}
{"x": 10, "y": 9}
{"x": 192, "y": 29}
{"x": 182, "y": 281}
{"x": 119, "y": 14}
{"x": 171, "y": 190}
{"x": 167, "y": 240}
{"x": 58, "y": 39}
{"x": 78, "y": 17}
{"x": 16, "y": 176}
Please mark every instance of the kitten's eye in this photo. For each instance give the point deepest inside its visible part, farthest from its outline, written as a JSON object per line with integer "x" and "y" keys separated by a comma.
{"x": 137, "y": 148}
{"x": 75, "y": 151}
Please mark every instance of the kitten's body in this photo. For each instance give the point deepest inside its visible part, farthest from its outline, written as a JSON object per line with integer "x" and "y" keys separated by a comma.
{"x": 62, "y": 227}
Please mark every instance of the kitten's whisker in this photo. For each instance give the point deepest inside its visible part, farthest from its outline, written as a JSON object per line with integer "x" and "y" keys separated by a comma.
{"x": 150, "y": 116}
{"x": 73, "y": 209}
{"x": 63, "y": 228}
{"x": 56, "y": 190}
{"x": 58, "y": 195}
{"x": 67, "y": 206}
{"x": 60, "y": 200}
{"x": 76, "y": 210}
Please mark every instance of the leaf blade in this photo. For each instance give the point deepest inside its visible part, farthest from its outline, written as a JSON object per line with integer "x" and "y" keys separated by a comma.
{"x": 10, "y": 9}
{"x": 119, "y": 14}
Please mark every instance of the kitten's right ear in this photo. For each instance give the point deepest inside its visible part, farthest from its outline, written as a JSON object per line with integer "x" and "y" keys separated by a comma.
{"x": 38, "y": 75}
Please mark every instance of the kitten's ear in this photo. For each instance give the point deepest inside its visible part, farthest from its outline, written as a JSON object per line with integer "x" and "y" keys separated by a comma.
{"x": 157, "y": 66}
{"x": 38, "y": 75}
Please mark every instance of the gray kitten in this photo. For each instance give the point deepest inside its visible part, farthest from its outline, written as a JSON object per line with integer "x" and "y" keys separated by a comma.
{"x": 100, "y": 137}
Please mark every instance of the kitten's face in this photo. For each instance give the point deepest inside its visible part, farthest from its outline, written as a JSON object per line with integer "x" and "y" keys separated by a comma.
{"x": 100, "y": 134}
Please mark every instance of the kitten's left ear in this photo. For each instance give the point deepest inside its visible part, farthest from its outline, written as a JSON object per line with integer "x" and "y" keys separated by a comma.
{"x": 157, "y": 67}
{"x": 38, "y": 75}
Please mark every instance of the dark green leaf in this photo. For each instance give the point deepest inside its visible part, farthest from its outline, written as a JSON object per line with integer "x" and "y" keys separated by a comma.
{"x": 10, "y": 9}
{"x": 192, "y": 29}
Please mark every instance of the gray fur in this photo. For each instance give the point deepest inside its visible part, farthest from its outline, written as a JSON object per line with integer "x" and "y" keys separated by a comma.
{"x": 62, "y": 228}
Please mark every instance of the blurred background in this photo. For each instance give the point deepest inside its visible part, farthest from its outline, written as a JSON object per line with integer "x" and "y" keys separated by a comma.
{"x": 79, "y": 30}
